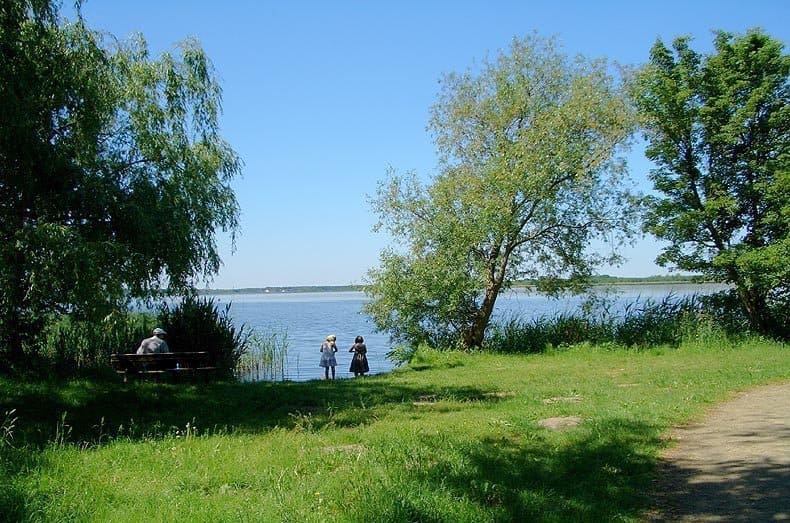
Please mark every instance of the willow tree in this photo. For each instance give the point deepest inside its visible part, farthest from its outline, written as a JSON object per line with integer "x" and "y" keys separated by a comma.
{"x": 114, "y": 177}
{"x": 718, "y": 130}
{"x": 529, "y": 179}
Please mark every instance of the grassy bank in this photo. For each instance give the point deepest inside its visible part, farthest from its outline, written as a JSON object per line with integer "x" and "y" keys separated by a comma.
{"x": 456, "y": 437}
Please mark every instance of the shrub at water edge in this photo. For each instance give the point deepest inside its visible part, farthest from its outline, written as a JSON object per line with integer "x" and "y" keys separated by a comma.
{"x": 198, "y": 324}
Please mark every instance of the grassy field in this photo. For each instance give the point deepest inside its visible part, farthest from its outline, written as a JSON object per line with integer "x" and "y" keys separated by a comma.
{"x": 455, "y": 437}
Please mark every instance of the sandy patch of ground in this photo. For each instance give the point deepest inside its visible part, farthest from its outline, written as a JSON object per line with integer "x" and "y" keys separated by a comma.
{"x": 733, "y": 465}
{"x": 565, "y": 422}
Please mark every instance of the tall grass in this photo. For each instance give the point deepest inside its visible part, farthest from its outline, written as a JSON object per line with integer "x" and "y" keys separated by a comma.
{"x": 647, "y": 323}
{"x": 517, "y": 335}
{"x": 7, "y": 428}
{"x": 652, "y": 323}
{"x": 68, "y": 346}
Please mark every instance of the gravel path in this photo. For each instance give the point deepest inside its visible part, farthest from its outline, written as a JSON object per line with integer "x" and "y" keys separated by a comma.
{"x": 734, "y": 465}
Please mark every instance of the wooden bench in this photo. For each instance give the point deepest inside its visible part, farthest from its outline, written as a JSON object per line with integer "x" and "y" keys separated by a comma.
{"x": 172, "y": 365}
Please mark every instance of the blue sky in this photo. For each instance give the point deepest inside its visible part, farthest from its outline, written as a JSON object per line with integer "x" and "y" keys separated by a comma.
{"x": 320, "y": 98}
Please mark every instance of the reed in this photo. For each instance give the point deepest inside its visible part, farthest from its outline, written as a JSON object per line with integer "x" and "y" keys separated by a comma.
{"x": 641, "y": 324}
{"x": 265, "y": 359}
{"x": 68, "y": 346}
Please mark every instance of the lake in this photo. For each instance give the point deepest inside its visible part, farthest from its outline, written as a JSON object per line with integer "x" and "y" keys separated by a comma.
{"x": 307, "y": 318}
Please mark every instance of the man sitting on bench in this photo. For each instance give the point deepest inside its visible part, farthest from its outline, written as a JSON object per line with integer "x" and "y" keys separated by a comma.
{"x": 154, "y": 344}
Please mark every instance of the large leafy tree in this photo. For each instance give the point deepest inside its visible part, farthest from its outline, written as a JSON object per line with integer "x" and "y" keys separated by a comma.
{"x": 113, "y": 176}
{"x": 528, "y": 179}
{"x": 718, "y": 130}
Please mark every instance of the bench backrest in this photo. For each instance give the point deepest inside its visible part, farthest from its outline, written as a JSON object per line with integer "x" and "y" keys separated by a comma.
{"x": 159, "y": 361}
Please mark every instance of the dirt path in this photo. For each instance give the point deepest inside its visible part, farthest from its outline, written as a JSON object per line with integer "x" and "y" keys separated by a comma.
{"x": 734, "y": 465}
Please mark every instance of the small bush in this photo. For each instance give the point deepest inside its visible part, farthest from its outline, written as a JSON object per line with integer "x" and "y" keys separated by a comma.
{"x": 198, "y": 324}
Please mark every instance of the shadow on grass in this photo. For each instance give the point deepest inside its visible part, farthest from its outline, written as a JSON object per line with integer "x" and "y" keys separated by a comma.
{"x": 89, "y": 413}
{"x": 597, "y": 478}
{"x": 601, "y": 475}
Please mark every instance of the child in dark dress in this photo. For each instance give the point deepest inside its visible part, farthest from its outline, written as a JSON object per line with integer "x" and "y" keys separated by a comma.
{"x": 359, "y": 363}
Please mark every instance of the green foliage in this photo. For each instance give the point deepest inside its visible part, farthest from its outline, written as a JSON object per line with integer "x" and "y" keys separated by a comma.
{"x": 69, "y": 345}
{"x": 114, "y": 175}
{"x": 716, "y": 127}
{"x": 724, "y": 308}
{"x": 425, "y": 357}
{"x": 402, "y": 353}
{"x": 528, "y": 178}
{"x": 199, "y": 324}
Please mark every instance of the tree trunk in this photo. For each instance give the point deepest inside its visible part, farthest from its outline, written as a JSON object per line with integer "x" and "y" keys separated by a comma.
{"x": 497, "y": 267}
{"x": 754, "y": 303}
{"x": 475, "y": 335}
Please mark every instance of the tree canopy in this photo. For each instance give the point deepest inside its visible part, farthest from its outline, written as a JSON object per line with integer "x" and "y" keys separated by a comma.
{"x": 718, "y": 130}
{"x": 528, "y": 178}
{"x": 113, "y": 175}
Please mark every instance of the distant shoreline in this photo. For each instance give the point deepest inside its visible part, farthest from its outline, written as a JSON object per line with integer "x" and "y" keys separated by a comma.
{"x": 287, "y": 289}
{"x": 597, "y": 280}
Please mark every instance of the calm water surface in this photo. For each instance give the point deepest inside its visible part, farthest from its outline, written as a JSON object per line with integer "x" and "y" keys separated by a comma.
{"x": 307, "y": 318}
